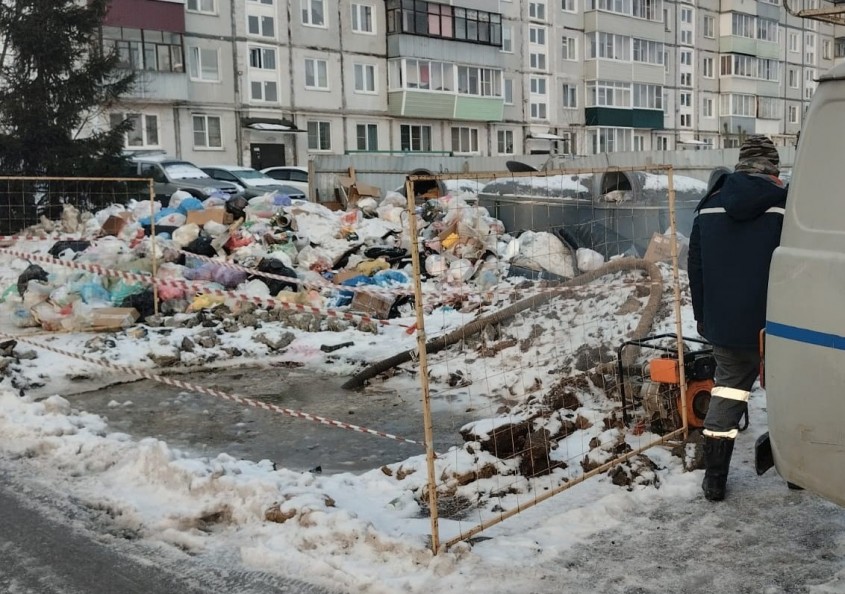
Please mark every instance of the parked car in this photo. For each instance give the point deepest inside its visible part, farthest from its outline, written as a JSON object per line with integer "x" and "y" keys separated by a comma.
{"x": 254, "y": 182}
{"x": 291, "y": 175}
{"x": 171, "y": 174}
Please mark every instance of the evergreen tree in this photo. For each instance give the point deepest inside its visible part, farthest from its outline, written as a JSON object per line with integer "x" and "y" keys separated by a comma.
{"x": 54, "y": 77}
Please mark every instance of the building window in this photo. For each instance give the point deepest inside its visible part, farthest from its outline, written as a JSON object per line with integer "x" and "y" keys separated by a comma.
{"x": 509, "y": 91}
{"x": 686, "y": 37}
{"x": 263, "y": 58}
{"x": 316, "y": 74}
{"x": 537, "y": 10}
{"x": 733, "y": 104}
{"x": 537, "y": 35}
{"x": 639, "y": 143}
{"x": 143, "y": 131}
{"x": 649, "y": 52}
{"x": 686, "y": 15}
{"x": 707, "y": 108}
{"x": 611, "y": 140}
{"x": 827, "y": 49}
{"x": 313, "y": 13}
{"x": 464, "y": 140}
{"x": 207, "y": 132}
{"x": 686, "y": 99}
{"x": 709, "y": 27}
{"x": 264, "y": 90}
{"x": 367, "y": 137}
{"x": 569, "y": 93}
{"x": 662, "y": 143}
{"x": 686, "y": 79}
{"x": 435, "y": 19}
{"x": 141, "y": 49}
{"x": 261, "y": 25}
{"x": 686, "y": 57}
{"x": 362, "y": 18}
{"x": 486, "y": 82}
{"x": 537, "y": 85}
{"x": 204, "y": 6}
{"x": 609, "y": 46}
{"x": 793, "y": 42}
{"x": 319, "y": 136}
{"x": 686, "y": 120}
{"x": 567, "y": 5}
{"x": 507, "y": 39}
{"x": 604, "y": 93}
{"x": 647, "y": 96}
{"x": 707, "y": 68}
{"x": 504, "y": 142}
{"x": 570, "y": 48}
{"x": 793, "y": 114}
{"x": 792, "y": 75}
{"x": 537, "y": 60}
{"x": 365, "y": 78}
{"x": 767, "y": 30}
{"x": 539, "y": 110}
{"x": 769, "y": 108}
{"x": 203, "y": 64}
{"x": 415, "y": 138}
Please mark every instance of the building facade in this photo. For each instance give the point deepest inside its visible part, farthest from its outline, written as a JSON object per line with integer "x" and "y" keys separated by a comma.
{"x": 270, "y": 82}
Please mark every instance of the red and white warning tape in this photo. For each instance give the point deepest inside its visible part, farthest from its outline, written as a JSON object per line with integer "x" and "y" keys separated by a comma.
{"x": 212, "y": 392}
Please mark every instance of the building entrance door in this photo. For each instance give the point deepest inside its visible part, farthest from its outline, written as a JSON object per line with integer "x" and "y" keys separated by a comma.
{"x": 263, "y": 155}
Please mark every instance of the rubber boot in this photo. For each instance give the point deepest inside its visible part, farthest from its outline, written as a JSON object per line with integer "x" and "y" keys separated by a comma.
{"x": 717, "y": 462}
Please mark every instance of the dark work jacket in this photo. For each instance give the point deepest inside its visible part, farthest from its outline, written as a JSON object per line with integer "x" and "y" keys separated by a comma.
{"x": 736, "y": 229}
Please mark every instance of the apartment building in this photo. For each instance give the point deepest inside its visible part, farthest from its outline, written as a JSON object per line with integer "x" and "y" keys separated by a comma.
{"x": 268, "y": 82}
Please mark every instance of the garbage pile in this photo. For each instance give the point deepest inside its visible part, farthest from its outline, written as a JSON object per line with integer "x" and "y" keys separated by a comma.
{"x": 272, "y": 249}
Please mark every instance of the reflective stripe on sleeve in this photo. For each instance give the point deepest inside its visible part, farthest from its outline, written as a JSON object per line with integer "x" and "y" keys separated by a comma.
{"x": 724, "y": 434}
{"x": 721, "y": 210}
{"x": 730, "y": 393}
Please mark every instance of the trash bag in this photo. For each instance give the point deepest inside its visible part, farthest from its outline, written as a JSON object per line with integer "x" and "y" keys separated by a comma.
{"x": 74, "y": 245}
{"x": 237, "y": 207}
{"x": 277, "y": 267}
{"x": 144, "y": 302}
{"x": 202, "y": 246}
{"x": 391, "y": 254}
{"x": 32, "y": 272}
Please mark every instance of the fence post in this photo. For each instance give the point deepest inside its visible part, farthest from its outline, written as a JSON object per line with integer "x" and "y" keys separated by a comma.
{"x": 679, "y": 326}
{"x": 423, "y": 368}
{"x": 151, "y": 185}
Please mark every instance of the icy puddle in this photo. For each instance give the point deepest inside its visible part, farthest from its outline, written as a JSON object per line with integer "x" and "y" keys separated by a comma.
{"x": 206, "y": 426}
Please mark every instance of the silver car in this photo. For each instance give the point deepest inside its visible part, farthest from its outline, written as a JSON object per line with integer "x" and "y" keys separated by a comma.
{"x": 254, "y": 182}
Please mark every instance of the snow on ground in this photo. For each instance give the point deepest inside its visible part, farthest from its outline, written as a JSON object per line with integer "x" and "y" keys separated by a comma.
{"x": 369, "y": 532}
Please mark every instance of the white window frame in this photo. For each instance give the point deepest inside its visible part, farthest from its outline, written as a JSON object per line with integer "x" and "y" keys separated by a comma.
{"x": 507, "y": 39}
{"x": 363, "y": 69}
{"x": 793, "y": 114}
{"x": 708, "y": 108}
{"x": 569, "y": 96}
{"x": 504, "y": 142}
{"x": 422, "y": 141}
{"x": 537, "y": 11}
{"x": 357, "y": 12}
{"x": 206, "y": 131}
{"x": 569, "y": 6}
{"x": 312, "y": 69}
{"x": 263, "y": 84}
{"x": 708, "y": 68}
{"x": 262, "y": 53}
{"x": 793, "y": 42}
{"x": 465, "y": 135}
{"x": 507, "y": 91}
{"x": 569, "y": 48}
{"x": 198, "y": 6}
{"x": 539, "y": 110}
{"x": 195, "y": 64}
{"x": 145, "y": 119}
{"x": 792, "y": 78}
{"x": 368, "y": 129}
{"x": 320, "y": 127}
{"x": 261, "y": 19}
{"x": 709, "y": 27}
{"x": 307, "y": 13}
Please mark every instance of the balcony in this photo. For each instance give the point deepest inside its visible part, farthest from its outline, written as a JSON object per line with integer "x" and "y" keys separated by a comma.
{"x": 160, "y": 87}
{"x": 444, "y": 106}
{"x": 443, "y": 21}
{"x": 735, "y": 44}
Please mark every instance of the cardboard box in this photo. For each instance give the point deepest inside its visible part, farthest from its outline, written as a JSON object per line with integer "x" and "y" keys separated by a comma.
{"x": 113, "y": 225}
{"x": 343, "y": 275}
{"x": 660, "y": 250}
{"x": 375, "y": 306}
{"x": 113, "y": 318}
{"x": 217, "y": 214}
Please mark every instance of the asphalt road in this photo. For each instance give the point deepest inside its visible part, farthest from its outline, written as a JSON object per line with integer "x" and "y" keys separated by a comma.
{"x": 50, "y": 545}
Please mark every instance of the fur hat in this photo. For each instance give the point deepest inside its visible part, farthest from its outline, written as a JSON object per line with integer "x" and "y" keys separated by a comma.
{"x": 758, "y": 154}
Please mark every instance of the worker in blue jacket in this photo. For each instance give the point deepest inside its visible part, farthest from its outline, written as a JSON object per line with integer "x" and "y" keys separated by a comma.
{"x": 736, "y": 229}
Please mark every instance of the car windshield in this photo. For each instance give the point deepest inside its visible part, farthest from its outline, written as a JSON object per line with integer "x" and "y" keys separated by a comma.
{"x": 184, "y": 170}
{"x": 251, "y": 174}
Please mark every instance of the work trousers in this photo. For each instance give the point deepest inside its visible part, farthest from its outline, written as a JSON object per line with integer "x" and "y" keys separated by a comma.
{"x": 736, "y": 372}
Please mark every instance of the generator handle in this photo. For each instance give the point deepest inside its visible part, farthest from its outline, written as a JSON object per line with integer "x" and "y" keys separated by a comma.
{"x": 646, "y": 341}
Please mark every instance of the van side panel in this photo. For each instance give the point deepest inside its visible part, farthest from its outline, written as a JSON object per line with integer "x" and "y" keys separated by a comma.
{"x": 805, "y": 331}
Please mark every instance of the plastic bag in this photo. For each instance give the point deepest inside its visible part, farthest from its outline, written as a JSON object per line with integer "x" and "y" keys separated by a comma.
{"x": 32, "y": 272}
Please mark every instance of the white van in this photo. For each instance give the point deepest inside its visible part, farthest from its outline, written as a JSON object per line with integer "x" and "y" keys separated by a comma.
{"x": 805, "y": 321}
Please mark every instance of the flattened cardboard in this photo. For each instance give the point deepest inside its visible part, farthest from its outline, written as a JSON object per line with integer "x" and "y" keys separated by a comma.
{"x": 113, "y": 318}
{"x": 217, "y": 214}
{"x": 376, "y": 306}
{"x": 660, "y": 250}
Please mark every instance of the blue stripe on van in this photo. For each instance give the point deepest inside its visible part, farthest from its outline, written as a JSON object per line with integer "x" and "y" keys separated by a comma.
{"x": 797, "y": 334}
